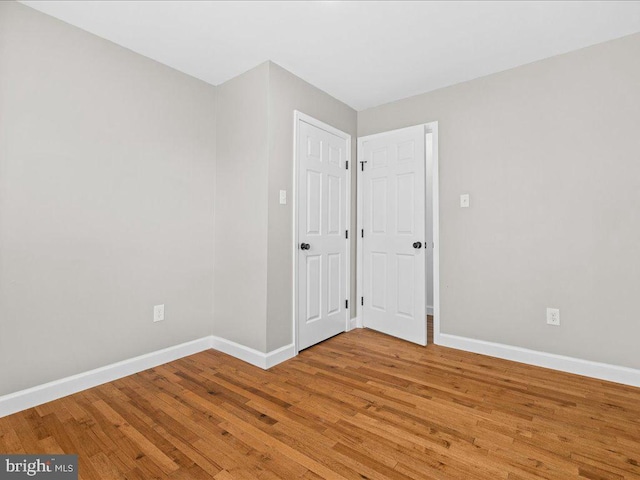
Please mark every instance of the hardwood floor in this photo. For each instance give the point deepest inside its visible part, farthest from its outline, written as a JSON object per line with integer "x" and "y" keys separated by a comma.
{"x": 360, "y": 405}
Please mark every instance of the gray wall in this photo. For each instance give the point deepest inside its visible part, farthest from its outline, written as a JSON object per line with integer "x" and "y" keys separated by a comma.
{"x": 241, "y": 209}
{"x": 550, "y": 155}
{"x": 253, "y": 269}
{"x": 109, "y": 173}
{"x": 287, "y": 93}
{"x": 106, "y": 201}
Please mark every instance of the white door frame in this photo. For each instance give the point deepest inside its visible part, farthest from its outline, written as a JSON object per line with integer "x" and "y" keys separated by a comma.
{"x": 431, "y": 127}
{"x": 297, "y": 117}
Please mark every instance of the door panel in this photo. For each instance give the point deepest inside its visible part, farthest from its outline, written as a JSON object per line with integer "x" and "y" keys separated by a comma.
{"x": 314, "y": 205}
{"x": 406, "y": 274}
{"x": 379, "y": 281}
{"x": 314, "y": 287}
{"x": 394, "y": 284}
{"x": 334, "y": 223}
{"x": 405, "y": 211}
{"x": 379, "y": 205}
{"x": 322, "y": 221}
{"x": 334, "y": 286}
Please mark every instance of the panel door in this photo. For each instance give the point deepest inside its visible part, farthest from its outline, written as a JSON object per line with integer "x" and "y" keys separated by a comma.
{"x": 394, "y": 260}
{"x": 322, "y": 225}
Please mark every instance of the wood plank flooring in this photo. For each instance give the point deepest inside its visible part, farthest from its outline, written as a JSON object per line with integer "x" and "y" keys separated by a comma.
{"x": 361, "y": 405}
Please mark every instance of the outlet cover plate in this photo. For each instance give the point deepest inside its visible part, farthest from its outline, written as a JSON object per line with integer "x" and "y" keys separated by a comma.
{"x": 553, "y": 316}
{"x": 158, "y": 313}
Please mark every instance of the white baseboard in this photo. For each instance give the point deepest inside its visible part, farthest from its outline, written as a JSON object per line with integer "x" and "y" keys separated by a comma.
{"x": 429, "y": 309}
{"x": 280, "y": 355}
{"x": 31, "y": 397}
{"x": 353, "y": 323}
{"x": 252, "y": 356}
{"x": 588, "y": 368}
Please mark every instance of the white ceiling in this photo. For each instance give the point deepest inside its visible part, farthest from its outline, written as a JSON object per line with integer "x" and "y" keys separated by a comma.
{"x": 363, "y": 53}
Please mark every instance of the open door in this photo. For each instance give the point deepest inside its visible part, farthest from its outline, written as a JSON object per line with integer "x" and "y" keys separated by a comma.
{"x": 392, "y": 169}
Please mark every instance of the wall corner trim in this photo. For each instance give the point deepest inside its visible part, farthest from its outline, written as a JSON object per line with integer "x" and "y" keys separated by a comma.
{"x": 354, "y": 322}
{"x": 34, "y": 396}
{"x": 587, "y": 368}
{"x": 252, "y": 356}
{"x": 275, "y": 357}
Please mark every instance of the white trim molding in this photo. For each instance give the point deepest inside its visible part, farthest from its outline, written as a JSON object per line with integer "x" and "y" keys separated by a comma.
{"x": 435, "y": 185}
{"x": 34, "y": 396}
{"x": 252, "y": 356}
{"x": 587, "y": 368}
{"x": 280, "y": 355}
{"x": 31, "y": 397}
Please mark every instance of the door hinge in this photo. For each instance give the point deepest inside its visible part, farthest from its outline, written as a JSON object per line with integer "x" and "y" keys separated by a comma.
{"x": 346, "y": 234}
{"x": 362, "y": 301}
{"x": 362, "y": 233}
{"x": 347, "y": 164}
{"x": 346, "y": 304}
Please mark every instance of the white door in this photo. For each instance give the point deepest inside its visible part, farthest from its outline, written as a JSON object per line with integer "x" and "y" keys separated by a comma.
{"x": 322, "y": 155}
{"x": 393, "y": 233}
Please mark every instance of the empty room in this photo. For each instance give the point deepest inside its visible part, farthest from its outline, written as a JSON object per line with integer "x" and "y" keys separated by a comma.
{"x": 319, "y": 239}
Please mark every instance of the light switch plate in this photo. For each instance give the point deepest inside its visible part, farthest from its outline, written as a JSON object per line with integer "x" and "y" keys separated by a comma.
{"x": 464, "y": 200}
{"x": 283, "y": 197}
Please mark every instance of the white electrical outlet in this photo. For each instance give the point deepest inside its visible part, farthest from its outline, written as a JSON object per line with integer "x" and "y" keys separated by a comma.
{"x": 283, "y": 197}
{"x": 158, "y": 313}
{"x": 553, "y": 316}
{"x": 464, "y": 200}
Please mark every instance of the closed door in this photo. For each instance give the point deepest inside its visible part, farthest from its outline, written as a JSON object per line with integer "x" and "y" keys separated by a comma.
{"x": 322, "y": 306}
{"x": 394, "y": 266}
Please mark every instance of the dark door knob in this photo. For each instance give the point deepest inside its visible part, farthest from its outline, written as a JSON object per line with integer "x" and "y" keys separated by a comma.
{"x": 417, "y": 244}
{"x": 305, "y": 246}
